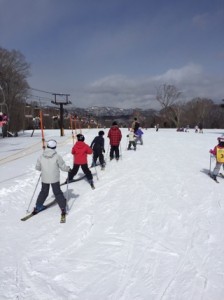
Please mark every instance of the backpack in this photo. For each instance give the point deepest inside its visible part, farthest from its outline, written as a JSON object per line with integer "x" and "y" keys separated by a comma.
{"x": 220, "y": 155}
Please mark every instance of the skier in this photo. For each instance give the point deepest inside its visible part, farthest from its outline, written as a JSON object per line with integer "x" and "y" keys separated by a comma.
{"x": 200, "y": 126}
{"x": 115, "y": 137}
{"x": 98, "y": 149}
{"x": 50, "y": 163}
{"x": 80, "y": 151}
{"x": 218, "y": 152}
{"x": 135, "y": 125}
{"x": 131, "y": 137}
{"x": 139, "y": 134}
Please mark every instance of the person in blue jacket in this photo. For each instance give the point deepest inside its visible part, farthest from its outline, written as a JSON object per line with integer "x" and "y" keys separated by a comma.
{"x": 139, "y": 134}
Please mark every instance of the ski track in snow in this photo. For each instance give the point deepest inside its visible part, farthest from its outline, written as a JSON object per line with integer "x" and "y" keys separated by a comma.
{"x": 129, "y": 239}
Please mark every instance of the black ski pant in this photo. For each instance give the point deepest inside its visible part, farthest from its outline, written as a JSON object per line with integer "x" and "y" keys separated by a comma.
{"x": 59, "y": 196}
{"x": 96, "y": 155}
{"x": 130, "y": 144}
{"x": 114, "y": 149}
{"x": 85, "y": 169}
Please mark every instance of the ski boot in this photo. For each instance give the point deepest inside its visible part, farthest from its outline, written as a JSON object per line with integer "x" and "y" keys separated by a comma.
{"x": 38, "y": 208}
{"x": 91, "y": 184}
{"x": 63, "y": 216}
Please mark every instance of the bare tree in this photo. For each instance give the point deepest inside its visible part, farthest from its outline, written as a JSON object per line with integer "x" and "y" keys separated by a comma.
{"x": 198, "y": 111}
{"x": 175, "y": 114}
{"x": 167, "y": 95}
{"x": 14, "y": 71}
{"x": 169, "y": 98}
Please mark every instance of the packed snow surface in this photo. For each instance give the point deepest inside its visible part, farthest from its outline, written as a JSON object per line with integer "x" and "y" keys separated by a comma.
{"x": 153, "y": 229}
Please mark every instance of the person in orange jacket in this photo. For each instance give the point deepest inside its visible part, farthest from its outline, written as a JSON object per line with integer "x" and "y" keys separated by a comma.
{"x": 80, "y": 151}
{"x": 218, "y": 152}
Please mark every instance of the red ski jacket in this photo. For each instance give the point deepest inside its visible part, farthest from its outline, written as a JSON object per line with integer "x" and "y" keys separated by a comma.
{"x": 114, "y": 135}
{"x": 80, "y": 151}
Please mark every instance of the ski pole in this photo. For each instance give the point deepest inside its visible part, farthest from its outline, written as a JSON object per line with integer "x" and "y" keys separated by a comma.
{"x": 67, "y": 207}
{"x": 120, "y": 152}
{"x": 106, "y": 155}
{"x": 210, "y": 164}
{"x": 127, "y": 144}
{"x": 33, "y": 194}
{"x": 96, "y": 172}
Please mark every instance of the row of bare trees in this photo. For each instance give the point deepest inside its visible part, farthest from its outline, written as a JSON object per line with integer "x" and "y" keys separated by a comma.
{"x": 178, "y": 113}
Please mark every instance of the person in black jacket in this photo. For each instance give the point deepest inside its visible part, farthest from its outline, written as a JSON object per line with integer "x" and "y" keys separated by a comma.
{"x": 98, "y": 149}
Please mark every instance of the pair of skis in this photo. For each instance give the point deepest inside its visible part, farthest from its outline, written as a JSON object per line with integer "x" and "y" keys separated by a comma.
{"x": 215, "y": 178}
{"x": 27, "y": 217}
{"x": 63, "y": 216}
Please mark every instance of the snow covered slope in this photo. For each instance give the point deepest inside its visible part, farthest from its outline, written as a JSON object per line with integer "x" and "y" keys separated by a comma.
{"x": 151, "y": 230}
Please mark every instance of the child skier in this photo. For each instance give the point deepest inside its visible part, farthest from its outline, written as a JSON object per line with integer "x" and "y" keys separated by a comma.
{"x": 115, "y": 137}
{"x": 50, "y": 163}
{"x": 80, "y": 151}
{"x": 132, "y": 141}
{"x": 218, "y": 152}
{"x": 139, "y": 134}
{"x": 98, "y": 149}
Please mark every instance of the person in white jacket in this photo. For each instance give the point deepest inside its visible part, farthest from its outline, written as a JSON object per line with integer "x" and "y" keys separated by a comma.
{"x": 132, "y": 137}
{"x": 50, "y": 163}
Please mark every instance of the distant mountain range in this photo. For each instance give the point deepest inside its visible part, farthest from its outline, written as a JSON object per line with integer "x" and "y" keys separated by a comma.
{"x": 110, "y": 111}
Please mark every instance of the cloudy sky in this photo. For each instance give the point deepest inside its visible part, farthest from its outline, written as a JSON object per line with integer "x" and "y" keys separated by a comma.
{"x": 118, "y": 52}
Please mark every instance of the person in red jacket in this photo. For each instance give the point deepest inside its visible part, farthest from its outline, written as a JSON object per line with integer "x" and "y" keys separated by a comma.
{"x": 218, "y": 152}
{"x": 115, "y": 137}
{"x": 80, "y": 151}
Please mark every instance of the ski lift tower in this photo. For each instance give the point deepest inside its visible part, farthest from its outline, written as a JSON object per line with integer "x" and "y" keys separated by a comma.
{"x": 64, "y": 101}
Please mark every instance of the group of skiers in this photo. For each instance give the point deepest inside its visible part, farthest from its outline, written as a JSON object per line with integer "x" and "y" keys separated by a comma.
{"x": 135, "y": 135}
{"x": 50, "y": 162}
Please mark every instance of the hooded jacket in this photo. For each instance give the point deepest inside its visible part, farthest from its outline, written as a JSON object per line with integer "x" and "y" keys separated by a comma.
{"x": 50, "y": 163}
{"x": 114, "y": 135}
{"x": 80, "y": 151}
{"x": 139, "y": 132}
{"x": 98, "y": 144}
{"x": 131, "y": 136}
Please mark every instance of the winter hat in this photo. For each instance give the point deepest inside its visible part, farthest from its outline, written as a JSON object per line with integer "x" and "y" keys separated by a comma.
{"x": 101, "y": 132}
{"x": 220, "y": 139}
{"x": 114, "y": 123}
{"x": 52, "y": 144}
{"x": 80, "y": 137}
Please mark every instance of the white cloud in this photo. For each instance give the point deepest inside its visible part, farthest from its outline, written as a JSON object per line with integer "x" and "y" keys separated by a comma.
{"x": 184, "y": 74}
{"x": 122, "y": 91}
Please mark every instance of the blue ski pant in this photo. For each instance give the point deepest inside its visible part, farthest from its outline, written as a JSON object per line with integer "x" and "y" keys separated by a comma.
{"x": 59, "y": 196}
